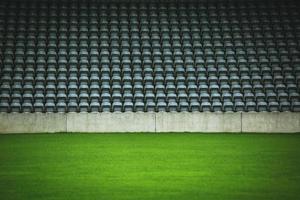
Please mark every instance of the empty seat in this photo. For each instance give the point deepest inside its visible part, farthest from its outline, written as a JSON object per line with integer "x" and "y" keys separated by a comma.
{"x": 140, "y": 107}
{"x": 84, "y": 106}
{"x": 284, "y": 106}
{"x": 205, "y": 106}
{"x": 228, "y": 106}
{"x": 172, "y": 106}
{"x": 217, "y": 106}
{"x": 239, "y": 106}
{"x": 106, "y": 106}
{"x": 117, "y": 106}
{"x": 61, "y": 107}
{"x": 296, "y": 106}
{"x": 128, "y": 107}
{"x": 50, "y": 106}
{"x": 194, "y": 106}
{"x": 262, "y": 106}
{"x": 274, "y": 106}
{"x": 4, "y": 107}
{"x": 95, "y": 106}
{"x": 184, "y": 106}
{"x": 161, "y": 106}
{"x": 250, "y": 106}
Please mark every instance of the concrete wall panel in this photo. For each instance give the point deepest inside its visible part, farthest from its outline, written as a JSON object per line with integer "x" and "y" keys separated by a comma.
{"x": 271, "y": 122}
{"x": 32, "y": 122}
{"x": 111, "y": 122}
{"x": 198, "y": 122}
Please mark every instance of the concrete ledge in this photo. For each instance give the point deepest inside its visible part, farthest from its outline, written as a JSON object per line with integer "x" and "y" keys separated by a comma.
{"x": 32, "y": 122}
{"x": 111, "y": 122}
{"x": 198, "y": 122}
{"x": 150, "y": 122}
{"x": 275, "y": 122}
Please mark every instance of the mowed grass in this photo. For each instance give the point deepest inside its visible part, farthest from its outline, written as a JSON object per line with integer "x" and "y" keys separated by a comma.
{"x": 150, "y": 166}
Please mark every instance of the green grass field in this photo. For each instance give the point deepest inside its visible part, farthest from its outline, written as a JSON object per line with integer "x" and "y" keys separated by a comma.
{"x": 150, "y": 166}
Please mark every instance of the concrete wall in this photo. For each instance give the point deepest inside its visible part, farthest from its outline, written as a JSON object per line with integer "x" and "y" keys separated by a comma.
{"x": 32, "y": 123}
{"x": 198, "y": 122}
{"x": 149, "y": 122}
{"x": 111, "y": 122}
{"x": 271, "y": 122}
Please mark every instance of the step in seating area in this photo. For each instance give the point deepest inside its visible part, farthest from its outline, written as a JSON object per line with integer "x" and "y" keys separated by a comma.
{"x": 102, "y": 56}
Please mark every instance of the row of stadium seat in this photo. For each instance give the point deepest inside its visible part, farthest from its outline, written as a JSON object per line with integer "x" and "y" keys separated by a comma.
{"x": 106, "y": 106}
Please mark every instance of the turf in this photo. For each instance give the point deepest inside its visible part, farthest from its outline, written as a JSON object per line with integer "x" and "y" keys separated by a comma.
{"x": 150, "y": 166}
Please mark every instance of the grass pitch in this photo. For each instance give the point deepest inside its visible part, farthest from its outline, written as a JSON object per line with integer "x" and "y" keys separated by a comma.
{"x": 150, "y": 166}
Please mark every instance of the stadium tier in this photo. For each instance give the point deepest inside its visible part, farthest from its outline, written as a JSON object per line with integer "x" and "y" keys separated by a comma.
{"x": 94, "y": 56}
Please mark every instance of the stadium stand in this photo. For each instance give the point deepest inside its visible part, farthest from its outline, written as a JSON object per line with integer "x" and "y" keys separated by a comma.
{"x": 93, "y": 56}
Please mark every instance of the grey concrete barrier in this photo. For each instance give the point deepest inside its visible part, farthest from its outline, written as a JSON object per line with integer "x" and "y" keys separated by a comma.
{"x": 111, "y": 122}
{"x": 275, "y": 122}
{"x": 149, "y": 122}
{"x": 198, "y": 122}
{"x": 32, "y": 122}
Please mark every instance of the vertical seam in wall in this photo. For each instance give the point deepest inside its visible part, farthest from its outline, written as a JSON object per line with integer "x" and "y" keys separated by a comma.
{"x": 66, "y": 122}
{"x": 155, "y": 122}
{"x": 241, "y": 122}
